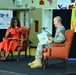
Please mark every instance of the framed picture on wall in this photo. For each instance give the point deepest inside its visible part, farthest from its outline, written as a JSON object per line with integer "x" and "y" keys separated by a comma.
{"x": 5, "y": 18}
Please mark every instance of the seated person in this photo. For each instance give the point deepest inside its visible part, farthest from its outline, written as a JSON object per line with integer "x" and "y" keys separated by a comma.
{"x": 59, "y": 38}
{"x": 12, "y": 38}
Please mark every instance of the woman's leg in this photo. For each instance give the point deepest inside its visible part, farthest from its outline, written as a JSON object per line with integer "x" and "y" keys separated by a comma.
{"x": 6, "y": 56}
{"x": 2, "y": 55}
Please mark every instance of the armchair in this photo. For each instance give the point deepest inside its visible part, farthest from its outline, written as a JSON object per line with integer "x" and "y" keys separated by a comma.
{"x": 24, "y": 43}
{"x": 60, "y": 51}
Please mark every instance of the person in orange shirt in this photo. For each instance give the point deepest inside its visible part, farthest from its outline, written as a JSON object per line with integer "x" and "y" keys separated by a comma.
{"x": 12, "y": 38}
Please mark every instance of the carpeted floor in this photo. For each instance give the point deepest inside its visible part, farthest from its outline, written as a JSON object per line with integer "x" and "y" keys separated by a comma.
{"x": 12, "y": 67}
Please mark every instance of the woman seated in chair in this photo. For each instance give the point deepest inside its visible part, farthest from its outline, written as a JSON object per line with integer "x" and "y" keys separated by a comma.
{"x": 12, "y": 38}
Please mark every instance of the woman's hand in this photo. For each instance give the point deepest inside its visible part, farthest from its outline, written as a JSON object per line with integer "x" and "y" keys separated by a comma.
{"x": 11, "y": 30}
{"x": 7, "y": 33}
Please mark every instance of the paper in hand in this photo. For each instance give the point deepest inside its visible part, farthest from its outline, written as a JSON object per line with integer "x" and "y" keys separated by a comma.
{"x": 43, "y": 38}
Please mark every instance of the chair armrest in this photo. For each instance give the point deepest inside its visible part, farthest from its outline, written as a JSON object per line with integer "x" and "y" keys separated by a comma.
{"x": 23, "y": 44}
{"x": 58, "y": 45}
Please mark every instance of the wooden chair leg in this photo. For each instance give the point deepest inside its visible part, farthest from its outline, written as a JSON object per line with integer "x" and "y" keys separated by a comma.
{"x": 25, "y": 54}
{"x": 11, "y": 54}
{"x": 18, "y": 55}
{"x": 66, "y": 63}
{"x": 45, "y": 62}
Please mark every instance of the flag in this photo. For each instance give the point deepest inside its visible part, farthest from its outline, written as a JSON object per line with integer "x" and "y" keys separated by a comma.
{"x": 73, "y": 18}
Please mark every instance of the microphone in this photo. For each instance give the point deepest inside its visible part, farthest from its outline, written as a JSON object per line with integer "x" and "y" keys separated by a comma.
{"x": 44, "y": 28}
{"x": 20, "y": 31}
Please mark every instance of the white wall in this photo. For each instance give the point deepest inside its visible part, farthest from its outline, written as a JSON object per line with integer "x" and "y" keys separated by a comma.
{"x": 47, "y": 19}
{"x": 6, "y": 3}
{"x": 9, "y": 3}
{"x": 36, "y": 4}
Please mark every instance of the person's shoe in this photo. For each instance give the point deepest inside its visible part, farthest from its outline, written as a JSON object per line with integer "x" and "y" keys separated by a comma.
{"x": 1, "y": 58}
{"x": 6, "y": 56}
{"x": 37, "y": 64}
{"x": 29, "y": 64}
{"x": 3, "y": 55}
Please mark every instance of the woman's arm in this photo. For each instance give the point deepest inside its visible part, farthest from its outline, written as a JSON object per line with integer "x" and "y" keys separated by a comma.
{"x": 8, "y": 32}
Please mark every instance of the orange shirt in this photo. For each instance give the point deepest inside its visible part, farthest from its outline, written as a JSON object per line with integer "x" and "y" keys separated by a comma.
{"x": 7, "y": 44}
{"x": 16, "y": 33}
